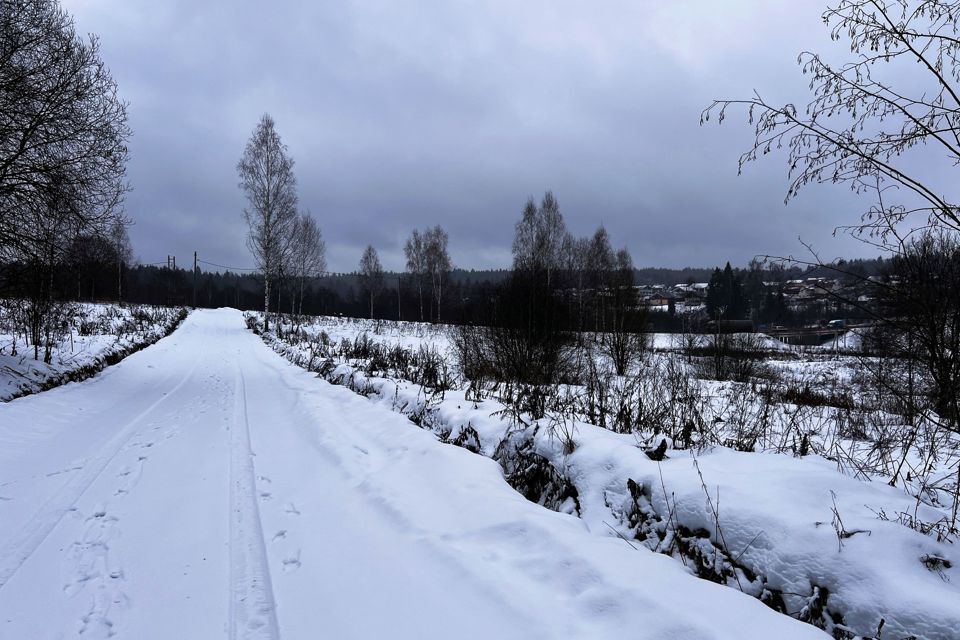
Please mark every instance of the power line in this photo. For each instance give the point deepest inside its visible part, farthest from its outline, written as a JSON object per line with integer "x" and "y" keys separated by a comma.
{"x": 214, "y": 264}
{"x": 319, "y": 274}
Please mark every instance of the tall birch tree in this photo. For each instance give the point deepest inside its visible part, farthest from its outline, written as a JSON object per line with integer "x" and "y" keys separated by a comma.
{"x": 267, "y": 181}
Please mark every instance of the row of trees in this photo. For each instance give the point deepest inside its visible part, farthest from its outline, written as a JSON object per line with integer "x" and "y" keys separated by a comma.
{"x": 428, "y": 265}
{"x": 595, "y": 280}
{"x": 532, "y": 330}
{"x": 428, "y": 262}
{"x": 285, "y": 243}
{"x": 63, "y": 155}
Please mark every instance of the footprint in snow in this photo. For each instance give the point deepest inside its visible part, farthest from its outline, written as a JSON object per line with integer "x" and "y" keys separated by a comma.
{"x": 292, "y": 563}
{"x": 291, "y": 509}
{"x": 279, "y": 535}
{"x": 265, "y": 495}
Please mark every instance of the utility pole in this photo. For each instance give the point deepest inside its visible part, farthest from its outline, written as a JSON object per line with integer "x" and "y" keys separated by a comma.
{"x": 194, "y": 279}
{"x": 169, "y": 278}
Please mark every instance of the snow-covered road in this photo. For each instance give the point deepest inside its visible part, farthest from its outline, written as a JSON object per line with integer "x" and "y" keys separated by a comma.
{"x": 205, "y": 488}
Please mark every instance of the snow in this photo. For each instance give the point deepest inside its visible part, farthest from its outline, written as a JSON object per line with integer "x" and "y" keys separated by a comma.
{"x": 205, "y": 488}
{"x": 775, "y": 512}
{"x": 96, "y": 334}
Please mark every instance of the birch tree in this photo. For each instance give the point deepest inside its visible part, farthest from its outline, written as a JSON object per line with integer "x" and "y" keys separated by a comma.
{"x": 371, "y": 274}
{"x": 416, "y": 256}
{"x": 539, "y": 238}
{"x": 437, "y": 261}
{"x": 268, "y": 182}
{"x": 308, "y": 254}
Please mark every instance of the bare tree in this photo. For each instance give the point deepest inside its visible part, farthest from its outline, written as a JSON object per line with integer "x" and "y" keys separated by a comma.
{"x": 859, "y": 125}
{"x": 63, "y": 130}
{"x": 625, "y": 339}
{"x": 267, "y": 180}
{"x": 415, "y": 252}
{"x": 438, "y": 264}
{"x": 525, "y": 238}
{"x": 308, "y": 253}
{"x": 921, "y": 300}
{"x": 371, "y": 274}
{"x": 552, "y": 234}
{"x": 50, "y": 226}
{"x": 538, "y": 242}
{"x": 600, "y": 265}
{"x": 576, "y": 252}
{"x": 120, "y": 242}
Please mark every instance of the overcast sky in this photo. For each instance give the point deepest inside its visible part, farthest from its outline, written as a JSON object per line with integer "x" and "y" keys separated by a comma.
{"x": 403, "y": 114}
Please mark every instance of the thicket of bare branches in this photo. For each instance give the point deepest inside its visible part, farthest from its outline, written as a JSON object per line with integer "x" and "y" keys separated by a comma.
{"x": 63, "y": 155}
{"x": 921, "y": 300}
{"x": 881, "y": 123}
{"x": 63, "y": 132}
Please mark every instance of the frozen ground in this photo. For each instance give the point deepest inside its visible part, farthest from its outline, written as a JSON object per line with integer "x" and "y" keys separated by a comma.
{"x": 206, "y": 488}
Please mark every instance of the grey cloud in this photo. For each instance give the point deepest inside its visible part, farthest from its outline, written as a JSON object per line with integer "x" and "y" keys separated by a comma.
{"x": 407, "y": 114}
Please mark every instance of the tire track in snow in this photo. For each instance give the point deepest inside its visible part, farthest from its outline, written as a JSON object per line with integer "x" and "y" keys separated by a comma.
{"x": 253, "y": 614}
{"x": 45, "y": 520}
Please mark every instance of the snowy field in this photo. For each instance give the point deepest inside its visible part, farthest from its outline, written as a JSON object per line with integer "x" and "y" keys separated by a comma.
{"x": 802, "y": 517}
{"x": 207, "y": 488}
{"x": 91, "y": 336}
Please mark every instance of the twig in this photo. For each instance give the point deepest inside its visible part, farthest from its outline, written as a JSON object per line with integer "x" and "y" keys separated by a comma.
{"x": 622, "y": 537}
{"x": 737, "y": 559}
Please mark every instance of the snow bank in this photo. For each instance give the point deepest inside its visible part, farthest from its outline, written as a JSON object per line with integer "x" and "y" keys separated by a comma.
{"x": 98, "y": 335}
{"x": 793, "y": 532}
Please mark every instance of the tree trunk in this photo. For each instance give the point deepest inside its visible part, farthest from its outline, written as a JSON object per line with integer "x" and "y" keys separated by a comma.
{"x": 300, "y": 310}
{"x": 279, "y": 309}
{"x": 266, "y": 303}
